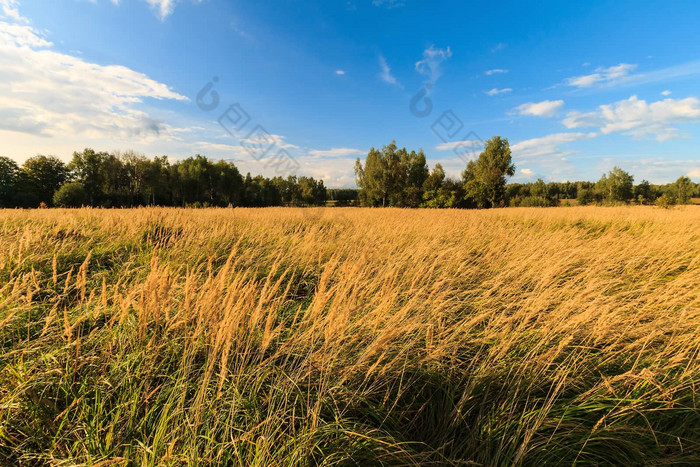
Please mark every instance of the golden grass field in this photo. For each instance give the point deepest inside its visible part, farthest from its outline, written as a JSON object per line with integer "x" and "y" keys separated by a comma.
{"x": 350, "y": 336}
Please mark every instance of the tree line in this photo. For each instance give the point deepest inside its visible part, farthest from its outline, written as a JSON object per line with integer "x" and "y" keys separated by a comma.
{"x": 396, "y": 177}
{"x": 390, "y": 176}
{"x": 129, "y": 179}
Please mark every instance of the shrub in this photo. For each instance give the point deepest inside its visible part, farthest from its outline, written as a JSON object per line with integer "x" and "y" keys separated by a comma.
{"x": 70, "y": 195}
{"x": 536, "y": 201}
{"x": 585, "y": 197}
{"x": 665, "y": 201}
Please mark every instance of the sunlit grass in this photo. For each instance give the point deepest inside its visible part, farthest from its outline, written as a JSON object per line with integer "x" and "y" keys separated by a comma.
{"x": 349, "y": 336}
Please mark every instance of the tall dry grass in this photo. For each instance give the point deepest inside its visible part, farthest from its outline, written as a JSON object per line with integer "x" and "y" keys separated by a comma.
{"x": 349, "y": 336}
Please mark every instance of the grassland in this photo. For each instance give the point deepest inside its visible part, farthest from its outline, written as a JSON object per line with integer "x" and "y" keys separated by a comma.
{"x": 350, "y": 336}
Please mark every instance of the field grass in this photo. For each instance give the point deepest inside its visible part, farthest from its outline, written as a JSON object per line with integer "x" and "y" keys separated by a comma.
{"x": 350, "y": 336}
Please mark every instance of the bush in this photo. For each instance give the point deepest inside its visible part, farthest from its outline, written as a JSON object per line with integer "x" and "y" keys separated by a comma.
{"x": 70, "y": 195}
{"x": 665, "y": 201}
{"x": 585, "y": 197}
{"x": 537, "y": 201}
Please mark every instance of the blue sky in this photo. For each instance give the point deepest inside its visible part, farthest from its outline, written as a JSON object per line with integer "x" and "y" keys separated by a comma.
{"x": 576, "y": 87}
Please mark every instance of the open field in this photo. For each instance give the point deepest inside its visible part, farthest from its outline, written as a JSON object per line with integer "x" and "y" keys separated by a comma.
{"x": 350, "y": 336}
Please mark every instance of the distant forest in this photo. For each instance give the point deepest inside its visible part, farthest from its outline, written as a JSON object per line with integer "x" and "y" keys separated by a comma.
{"x": 388, "y": 177}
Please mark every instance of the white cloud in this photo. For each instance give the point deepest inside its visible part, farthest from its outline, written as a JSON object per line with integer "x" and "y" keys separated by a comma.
{"x": 602, "y": 76}
{"x": 267, "y": 139}
{"x": 385, "y": 74}
{"x": 452, "y": 145}
{"x": 389, "y": 4}
{"x": 340, "y": 72}
{"x": 494, "y": 71}
{"x": 621, "y": 75}
{"x": 496, "y": 91}
{"x": 337, "y": 152}
{"x": 499, "y": 46}
{"x": 52, "y": 94}
{"x": 10, "y": 9}
{"x": 666, "y": 93}
{"x": 230, "y": 152}
{"x": 576, "y": 119}
{"x": 546, "y": 152}
{"x": 335, "y": 173}
{"x": 164, "y": 8}
{"x": 636, "y": 117}
{"x": 331, "y": 165}
{"x": 540, "y": 109}
{"x": 526, "y": 171}
{"x": 20, "y": 35}
{"x": 432, "y": 61}
{"x": 654, "y": 169}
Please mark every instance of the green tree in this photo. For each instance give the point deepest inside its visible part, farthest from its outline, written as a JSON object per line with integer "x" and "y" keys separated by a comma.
{"x": 289, "y": 190}
{"x": 88, "y": 168}
{"x": 415, "y": 168}
{"x": 617, "y": 186}
{"x": 391, "y": 177}
{"x": 682, "y": 190}
{"x": 538, "y": 194}
{"x": 313, "y": 192}
{"x": 435, "y": 180}
{"x": 8, "y": 181}
{"x": 156, "y": 181}
{"x": 44, "y": 176}
{"x": 228, "y": 184}
{"x": 643, "y": 193}
{"x": 485, "y": 178}
{"x": 432, "y": 196}
{"x": 193, "y": 180}
{"x": 70, "y": 195}
{"x": 585, "y": 196}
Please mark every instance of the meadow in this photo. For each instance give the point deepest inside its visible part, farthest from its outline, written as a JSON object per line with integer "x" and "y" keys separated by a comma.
{"x": 350, "y": 336}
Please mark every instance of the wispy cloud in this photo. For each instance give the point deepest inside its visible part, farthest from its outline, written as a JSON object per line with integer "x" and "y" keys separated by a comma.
{"x": 496, "y": 91}
{"x": 636, "y": 117}
{"x": 452, "y": 145}
{"x": 278, "y": 139}
{"x": 228, "y": 152}
{"x": 163, "y": 8}
{"x": 548, "y": 146}
{"x": 499, "y": 46}
{"x": 10, "y": 9}
{"x": 385, "y": 73}
{"x": 337, "y": 152}
{"x": 389, "y": 4}
{"x": 340, "y": 72}
{"x": 495, "y": 71}
{"x": 431, "y": 65}
{"x": 624, "y": 75}
{"x": 549, "y": 153}
{"x": 602, "y": 76}
{"x": 540, "y": 109}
